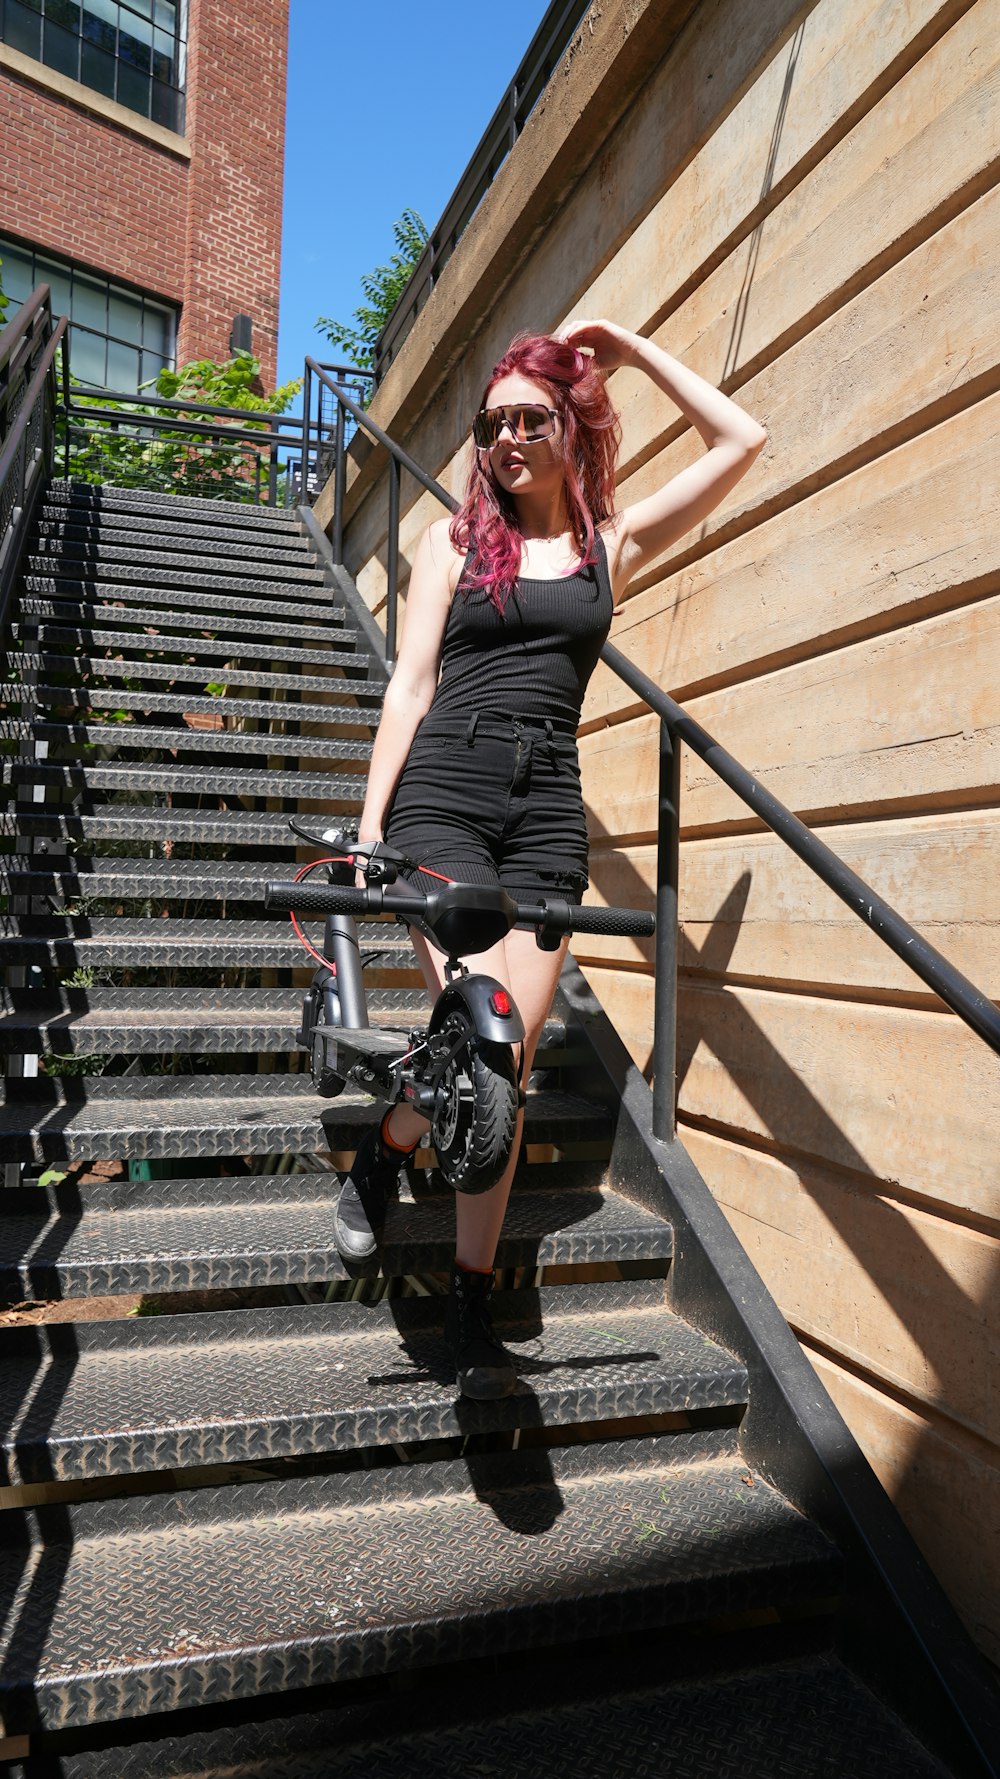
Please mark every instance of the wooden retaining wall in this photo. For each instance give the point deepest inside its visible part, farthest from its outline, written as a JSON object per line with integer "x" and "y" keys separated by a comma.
{"x": 802, "y": 202}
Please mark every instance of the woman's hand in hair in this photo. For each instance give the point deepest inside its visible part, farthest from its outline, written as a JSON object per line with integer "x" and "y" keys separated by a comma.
{"x": 611, "y": 345}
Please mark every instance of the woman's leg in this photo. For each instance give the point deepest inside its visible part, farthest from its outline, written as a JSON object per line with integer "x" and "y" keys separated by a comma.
{"x": 531, "y": 975}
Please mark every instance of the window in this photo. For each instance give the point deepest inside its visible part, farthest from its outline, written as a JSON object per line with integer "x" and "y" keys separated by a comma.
{"x": 119, "y": 339}
{"x": 129, "y": 50}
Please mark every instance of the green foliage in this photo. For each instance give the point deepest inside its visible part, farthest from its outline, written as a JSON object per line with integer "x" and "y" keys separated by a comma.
{"x": 4, "y": 300}
{"x": 123, "y": 452}
{"x": 382, "y": 288}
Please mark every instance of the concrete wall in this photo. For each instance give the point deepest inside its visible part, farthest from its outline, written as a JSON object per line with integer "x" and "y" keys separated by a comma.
{"x": 800, "y": 201}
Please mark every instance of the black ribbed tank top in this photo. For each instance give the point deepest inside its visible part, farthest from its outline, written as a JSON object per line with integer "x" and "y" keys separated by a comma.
{"x": 533, "y": 661}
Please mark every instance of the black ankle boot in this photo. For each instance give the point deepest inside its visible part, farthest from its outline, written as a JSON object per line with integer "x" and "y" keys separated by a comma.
{"x": 482, "y": 1367}
{"x": 364, "y": 1195}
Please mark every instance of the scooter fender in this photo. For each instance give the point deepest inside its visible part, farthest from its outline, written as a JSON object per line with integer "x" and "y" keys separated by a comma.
{"x": 471, "y": 994}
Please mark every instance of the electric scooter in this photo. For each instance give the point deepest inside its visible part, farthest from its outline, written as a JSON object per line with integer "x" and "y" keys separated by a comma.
{"x": 460, "y": 1069}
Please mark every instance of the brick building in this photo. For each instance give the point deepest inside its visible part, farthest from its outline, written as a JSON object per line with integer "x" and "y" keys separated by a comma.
{"x": 141, "y": 174}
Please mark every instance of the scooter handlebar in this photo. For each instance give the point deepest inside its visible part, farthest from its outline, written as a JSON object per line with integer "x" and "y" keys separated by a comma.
{"x": 331, "y": 898}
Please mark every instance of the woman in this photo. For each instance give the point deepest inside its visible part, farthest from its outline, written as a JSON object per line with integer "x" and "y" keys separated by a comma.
{"x": 474, "y": 772}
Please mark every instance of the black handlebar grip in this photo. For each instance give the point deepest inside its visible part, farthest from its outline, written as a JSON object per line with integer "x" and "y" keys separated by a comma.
{"x": 621, "y": 923}
{"x": 321, "y": 898}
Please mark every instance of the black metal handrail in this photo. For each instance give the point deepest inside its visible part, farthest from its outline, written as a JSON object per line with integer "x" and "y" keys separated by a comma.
{"x": 529, "y": 82}
{"x": 29, "y": 346}
{"x": 933, "y": 968}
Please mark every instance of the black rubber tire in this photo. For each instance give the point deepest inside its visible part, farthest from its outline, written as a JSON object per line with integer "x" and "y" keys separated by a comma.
{"x": 474, "y": 1153}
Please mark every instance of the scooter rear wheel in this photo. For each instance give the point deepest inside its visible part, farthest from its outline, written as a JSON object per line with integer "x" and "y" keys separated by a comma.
{"x": 473, "y": 1131}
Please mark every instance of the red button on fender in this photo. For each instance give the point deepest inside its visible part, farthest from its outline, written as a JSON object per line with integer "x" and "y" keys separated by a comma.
{"x": 500, "y": 1003}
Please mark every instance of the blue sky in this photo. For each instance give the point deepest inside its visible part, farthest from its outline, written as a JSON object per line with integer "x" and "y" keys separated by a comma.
{"x": 386, "y": 102}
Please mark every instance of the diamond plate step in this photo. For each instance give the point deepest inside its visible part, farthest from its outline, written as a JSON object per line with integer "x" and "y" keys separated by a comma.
{"x": 211, "y": 600}
{"x": 171, "y": 1116}
{"x": 93, "y": 611}
{"x": 173, "y": 510}
{"x": 225, "y": 649}
{"x": 116, "y": 1398}
{"x": 240, "y": 579}
{"x": 121, "y": 1609}
{"x": 162, "y": 1021}
{"x": 62, "y": 597}
{"x": 182, "y": 674}
{"x": 810, "y": 1718}
{"x": 179, "y": 738}
{"x": 107, "y": 942}
{"x": 78, "y": 557}
{"x": 71, "y": 699}
{"x": 139, "y": 533}
{"x": 116, "y": 822}
{"x": 231, "y": 1234}
{"x": 186, "y": 781}
{"x": 162, "y": 880}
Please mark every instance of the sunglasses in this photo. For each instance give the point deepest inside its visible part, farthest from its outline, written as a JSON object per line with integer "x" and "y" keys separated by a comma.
{"x": 527, "y": 426}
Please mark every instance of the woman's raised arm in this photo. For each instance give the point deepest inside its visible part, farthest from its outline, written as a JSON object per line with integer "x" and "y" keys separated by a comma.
{"x": 732, "y": 438}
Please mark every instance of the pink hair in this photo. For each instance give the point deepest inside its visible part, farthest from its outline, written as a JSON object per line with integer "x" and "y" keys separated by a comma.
{"x": 486, "y": 522}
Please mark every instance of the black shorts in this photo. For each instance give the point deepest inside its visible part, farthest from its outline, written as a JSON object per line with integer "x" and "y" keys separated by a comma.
{"x": 494, "y": 801}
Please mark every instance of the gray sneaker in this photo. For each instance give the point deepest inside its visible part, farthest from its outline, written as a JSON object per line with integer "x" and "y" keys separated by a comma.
{"x": 364, "y": 1196}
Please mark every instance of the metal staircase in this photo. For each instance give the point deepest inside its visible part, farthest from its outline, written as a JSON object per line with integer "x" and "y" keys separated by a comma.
{"x": 271, "y": 1540}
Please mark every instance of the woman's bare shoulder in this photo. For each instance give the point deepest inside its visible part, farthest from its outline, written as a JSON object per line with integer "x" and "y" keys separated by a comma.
{"x": 443, "y": 553}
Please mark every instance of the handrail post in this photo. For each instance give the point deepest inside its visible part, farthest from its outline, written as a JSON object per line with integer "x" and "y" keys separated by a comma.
{"x": 339, "y": 483}
{"x": 667, "y": 933}
{"x": 272, "y": 464}
{"x": 392, "y": 565}
{"x": 306, "y": 418}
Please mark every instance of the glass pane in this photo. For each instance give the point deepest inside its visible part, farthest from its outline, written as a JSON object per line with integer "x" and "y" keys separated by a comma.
{"x": 152, "y": 364}
{"x": 164, "y": 56}
{"x": 86, "y": 357}
{"x": 158, "y": 330}
{"x": 125, "y": 316}
{"x": 97, "y": 69}
{"x": 143, "y": 7}
{"x": 165, "y": 15}
{"x": 123, "y": 367}
{"x": 61, "y": 50}
{"x": 23, "y": 29}
{"x": 90, "y": 302}
{"x": 56, "y": 276}
{"x": 133, "y": 89}
{"x": 16, "y": 272}
{"x": 65, "y": 13}
{"x": 135, "y": 42}
{"x": 100, "y": 24}
{"x": 166, "y": 108}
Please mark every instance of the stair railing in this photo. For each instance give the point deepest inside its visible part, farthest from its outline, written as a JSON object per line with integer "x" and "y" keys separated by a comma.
{"x": 29, "y": 346}
{"x": 963, "y": 997}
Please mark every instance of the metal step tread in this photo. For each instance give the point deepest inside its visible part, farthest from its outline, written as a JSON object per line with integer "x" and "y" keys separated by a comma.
{"x": 174, "y": 509}
{"x": 283, "y": 1585}
{"x": 111, "y": 1398}
{"x": 232, "y": 1234}
{"x": 92, "y": 612}
{"x": 73, "y": 556}
{"x": 806, "y": 1718}
{"x": 145, "y": 642}
{"x": 309, "y": 582}
{"x": 70, "y": 699}
{"x": 125, "y": 529}
{"x": 116, "y": 821}
{"x": 67, "y": 597}
{"x": 161, "y": 880}
{"x": 211, "y": 600}
{"x": 181, "y": 738}
{"x": 182, "y": 673}
{"x": 161, "y": 1117}
{"x": 183, "y": 781}
{"x": 159, "y": 1021}
{"x": 112, "y": 941}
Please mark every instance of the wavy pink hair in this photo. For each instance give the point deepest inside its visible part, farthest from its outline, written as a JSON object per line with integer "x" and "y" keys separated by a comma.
{"x": 487, "y": 522}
